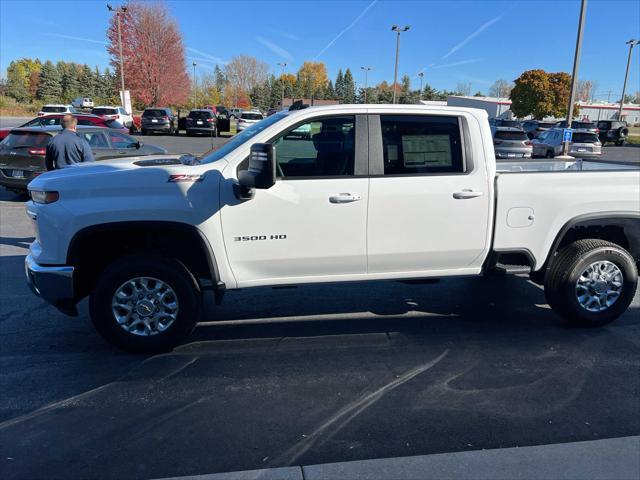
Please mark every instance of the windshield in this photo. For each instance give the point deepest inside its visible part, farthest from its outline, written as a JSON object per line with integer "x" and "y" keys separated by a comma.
{"x": 509, "y": 123}
{"x": 240, "y": 138}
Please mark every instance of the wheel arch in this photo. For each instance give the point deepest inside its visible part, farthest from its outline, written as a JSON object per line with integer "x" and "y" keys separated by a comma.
{"x": 95, "y": 246}
{"x": 622, "y": 228}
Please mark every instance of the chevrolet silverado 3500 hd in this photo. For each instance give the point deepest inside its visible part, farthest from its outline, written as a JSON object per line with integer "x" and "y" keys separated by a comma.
{"x": 372, "y": 192}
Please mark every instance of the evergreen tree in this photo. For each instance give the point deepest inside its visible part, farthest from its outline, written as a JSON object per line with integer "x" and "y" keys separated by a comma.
{"x": 220, "y": 78}
{"x": 348, "y": 88}
{"x": 429, "y": 93}
{"x": 108, "y": 82}
{"x": 50, "y": 87}
{"x": 70, "y": 81}
{"x": 339, "y": 85}
{"x": 87, "y": 83}
{"x": 330, "y": 92}
{"x": 275, "y": 91}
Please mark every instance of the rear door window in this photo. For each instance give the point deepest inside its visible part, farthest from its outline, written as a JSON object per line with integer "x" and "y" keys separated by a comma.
{"x": 251, "y": 116}
{"x": 120, "y": 140}
{"x": 200, "y": 115}
{"x": 421, "y": 144}
{"x": 96, "y": 139}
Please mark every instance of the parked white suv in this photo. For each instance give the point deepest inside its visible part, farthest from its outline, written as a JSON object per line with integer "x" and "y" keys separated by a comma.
{"x": 56, "y": 108}
{"x": 246, "y": 119}
{"x": 384, "y": 192}
{"x": 115, "y": 113}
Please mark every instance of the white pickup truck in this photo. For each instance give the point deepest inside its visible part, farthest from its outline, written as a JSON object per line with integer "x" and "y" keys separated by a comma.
{"x": 369, "y": 192}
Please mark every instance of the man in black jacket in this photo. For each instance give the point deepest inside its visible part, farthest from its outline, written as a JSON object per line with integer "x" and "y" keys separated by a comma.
{"x": 67, "y": 148}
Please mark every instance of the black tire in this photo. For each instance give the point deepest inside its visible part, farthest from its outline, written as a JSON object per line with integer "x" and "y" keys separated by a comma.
{"x": 169, "y": 271}
{"x": 550, "y": 154}
{"x": 565, "y": 270}
{"x": 143, "y": 132}
{"x": 620, "y": 143}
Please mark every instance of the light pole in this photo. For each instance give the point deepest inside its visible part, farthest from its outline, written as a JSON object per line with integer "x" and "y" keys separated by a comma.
{"x": 282, "y": 81}
{"x": 421, "y": 75}
{"x": 631, "y": 44}
{"x": 574, "y": 74}
{"x": 118, "y": 11}
{"x": 194, "y": 84}
{"x": 398, "y": 30}
{"x": 366, "y": 75}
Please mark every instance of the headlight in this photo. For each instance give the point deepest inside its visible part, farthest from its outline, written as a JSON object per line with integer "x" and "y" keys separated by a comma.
{"x": 39, "y": 196}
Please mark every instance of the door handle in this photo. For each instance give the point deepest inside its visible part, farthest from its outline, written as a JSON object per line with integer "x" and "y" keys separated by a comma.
{"x": 344, "y": 198}
{"x": 466, "y": 193}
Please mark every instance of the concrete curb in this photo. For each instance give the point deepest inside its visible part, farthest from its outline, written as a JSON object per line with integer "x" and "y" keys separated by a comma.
{"x": 609, "y": 459}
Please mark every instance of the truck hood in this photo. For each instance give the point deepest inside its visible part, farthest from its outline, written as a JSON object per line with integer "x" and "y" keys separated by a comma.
{"x": 134, "y": 172}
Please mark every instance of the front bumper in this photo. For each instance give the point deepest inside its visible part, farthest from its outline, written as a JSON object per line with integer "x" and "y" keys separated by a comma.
{"x": 53, "y": 284}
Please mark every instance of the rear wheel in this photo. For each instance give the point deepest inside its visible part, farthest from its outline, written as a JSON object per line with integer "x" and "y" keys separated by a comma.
{"x": 145, "y": 304}
{"x": 591, "y": 282}
{"x": 550, "y": 154}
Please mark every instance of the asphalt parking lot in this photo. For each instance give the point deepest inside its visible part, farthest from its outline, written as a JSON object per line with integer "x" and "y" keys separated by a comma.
{"x": 310, "y": 375}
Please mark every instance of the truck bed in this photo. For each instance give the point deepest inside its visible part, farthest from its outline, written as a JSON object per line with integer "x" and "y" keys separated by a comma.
{"x": 562, "y": 165}
{"x": 536, "y": 199}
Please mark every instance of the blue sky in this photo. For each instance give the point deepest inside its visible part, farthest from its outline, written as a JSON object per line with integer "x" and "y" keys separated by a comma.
{"x": 455, "y": 41}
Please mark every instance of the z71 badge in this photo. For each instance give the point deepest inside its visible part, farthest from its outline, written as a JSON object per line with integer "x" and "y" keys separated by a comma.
{"x": 254, "y": 238}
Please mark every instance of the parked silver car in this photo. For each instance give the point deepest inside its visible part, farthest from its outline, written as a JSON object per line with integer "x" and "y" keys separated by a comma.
{"x": 247, "y": 119}
{"x": 511, "y": 142}
{"x": 584, "y": 144}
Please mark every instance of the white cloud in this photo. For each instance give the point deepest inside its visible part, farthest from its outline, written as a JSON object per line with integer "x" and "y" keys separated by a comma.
{"x": 287, "y": 35}
{"x": 277, "y": 49}
{"x": 205, "y": 57}
{"x": 461, "y": 62}
{"x": 481, "y": 29}
{"x": 80, "y": 39}
{"x": 345, "y": 30}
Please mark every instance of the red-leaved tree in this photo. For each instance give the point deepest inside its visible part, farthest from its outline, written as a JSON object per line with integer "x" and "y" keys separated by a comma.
{"x": 153, "y": 54}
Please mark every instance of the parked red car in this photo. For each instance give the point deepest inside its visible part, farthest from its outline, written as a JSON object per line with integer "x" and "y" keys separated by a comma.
{"x": 83, "y": 119}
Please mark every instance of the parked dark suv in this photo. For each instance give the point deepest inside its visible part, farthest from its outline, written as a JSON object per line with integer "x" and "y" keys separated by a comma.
{"x": 158, "y": 120}
{"x": 614, "y": 131}
{"x": 201, "y": 121}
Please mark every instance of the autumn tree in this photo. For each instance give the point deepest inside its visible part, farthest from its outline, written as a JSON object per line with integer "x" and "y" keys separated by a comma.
{"x": 463, "y": 88}
{"x": 501, "y": 89}
{"x": 312, "y": 78}
{"x": 585, "y": 90}
{"x": 153, "y": 54}
{"x": 289, "y": 80}
{"x": 21, "y": 78}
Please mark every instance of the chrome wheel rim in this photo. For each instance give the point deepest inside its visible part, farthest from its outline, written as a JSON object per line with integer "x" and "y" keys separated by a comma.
{"x": 599, "y": 286}
{"x": 144, "y": 306}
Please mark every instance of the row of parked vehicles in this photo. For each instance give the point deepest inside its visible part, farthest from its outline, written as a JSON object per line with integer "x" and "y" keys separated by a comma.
{"x": 23, "y": 149}
{"x": 534, "y": 138}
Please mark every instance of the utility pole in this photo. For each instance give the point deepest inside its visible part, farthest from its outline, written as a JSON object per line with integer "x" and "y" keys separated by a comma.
{"x": 118, "y": 11}
{"x": 574, "y": 75}
{"x": 366, "y": 74}
{"x": 398, "y": 30}
{"x": 194, "y": 84}
{"x": 421, "y": 75}
{"x": 282, "y": 81}
{"x": 633, "y": 42}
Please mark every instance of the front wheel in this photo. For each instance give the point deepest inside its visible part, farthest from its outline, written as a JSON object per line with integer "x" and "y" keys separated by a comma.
{"x": 145, "y": 304}
{"x": 591, "y": 282}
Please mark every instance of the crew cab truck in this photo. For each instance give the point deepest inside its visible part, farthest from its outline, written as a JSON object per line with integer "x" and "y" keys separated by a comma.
{"x": 374, "y": 192}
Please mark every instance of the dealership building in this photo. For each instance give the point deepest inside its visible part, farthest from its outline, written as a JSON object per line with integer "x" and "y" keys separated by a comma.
{"x": 501, "y": 108}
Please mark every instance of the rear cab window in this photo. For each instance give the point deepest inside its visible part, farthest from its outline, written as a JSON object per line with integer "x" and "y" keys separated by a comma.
{"x": 421, "y": 144}
{"x": 201, "y": 114}
{"x": 580, "y": 137}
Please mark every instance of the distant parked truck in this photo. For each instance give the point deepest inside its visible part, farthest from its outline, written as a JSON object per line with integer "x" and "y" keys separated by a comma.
{"x": 82, "y": 102}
